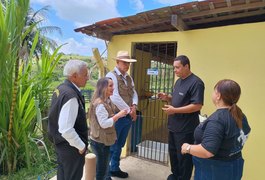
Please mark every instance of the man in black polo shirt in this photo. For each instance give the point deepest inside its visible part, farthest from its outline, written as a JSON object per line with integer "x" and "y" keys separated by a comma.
{"x": 183, "y": 116}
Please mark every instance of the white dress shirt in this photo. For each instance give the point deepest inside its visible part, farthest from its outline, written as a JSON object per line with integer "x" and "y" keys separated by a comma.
{"x": 116, "y": 98}
{"x": 103, "y": 117}
{"x": 66, "y": 123}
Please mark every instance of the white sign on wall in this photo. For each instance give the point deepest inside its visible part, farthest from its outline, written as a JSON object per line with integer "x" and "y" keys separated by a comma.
{"x": 152, "y": 71}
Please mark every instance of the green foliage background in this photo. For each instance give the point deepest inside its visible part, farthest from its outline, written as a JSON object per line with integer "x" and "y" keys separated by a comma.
{"x": 58, "y": 72}
{"x": 25, "y": 84}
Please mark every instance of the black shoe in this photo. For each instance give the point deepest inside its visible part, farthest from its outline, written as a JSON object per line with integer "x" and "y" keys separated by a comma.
{"x": 171, "y": 177}
{"x": 119, "y": 174}
{"x": 108, "y": 178}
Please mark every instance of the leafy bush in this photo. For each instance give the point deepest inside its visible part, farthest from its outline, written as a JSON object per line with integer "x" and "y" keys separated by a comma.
{"x": 23, "y": 93}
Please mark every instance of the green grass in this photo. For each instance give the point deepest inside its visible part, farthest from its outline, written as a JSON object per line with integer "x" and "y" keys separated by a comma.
{"x": 43, "y": 171}
{"x": 42, "y": 168}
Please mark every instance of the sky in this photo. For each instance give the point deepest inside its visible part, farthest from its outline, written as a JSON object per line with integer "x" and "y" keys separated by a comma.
{"x": 71, "y": 14}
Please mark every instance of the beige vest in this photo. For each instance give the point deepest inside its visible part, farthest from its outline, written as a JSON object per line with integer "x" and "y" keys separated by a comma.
{"x": 125, "y": 91}
{"x": 106, "y": 136}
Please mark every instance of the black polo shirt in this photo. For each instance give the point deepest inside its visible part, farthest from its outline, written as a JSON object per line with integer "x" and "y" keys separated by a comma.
{"x": 186, "y": 91}
{"x": 220, "y": 135}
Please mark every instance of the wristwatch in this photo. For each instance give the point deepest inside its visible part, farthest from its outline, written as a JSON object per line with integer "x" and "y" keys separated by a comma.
{"x": 188, "y": 149}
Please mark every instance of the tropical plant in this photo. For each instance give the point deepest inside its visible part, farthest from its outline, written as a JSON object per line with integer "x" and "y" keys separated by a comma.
{"x": 44, "y": 75}
{"x": 21, "y": 90}
{"x": 12, "y": 18}
{"x": 39, "y": 17}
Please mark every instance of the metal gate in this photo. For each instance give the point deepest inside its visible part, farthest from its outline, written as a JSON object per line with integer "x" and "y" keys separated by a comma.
{"x": 152, "y": 73}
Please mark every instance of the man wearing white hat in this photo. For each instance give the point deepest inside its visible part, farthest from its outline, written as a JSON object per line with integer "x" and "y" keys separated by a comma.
{"x": 124, "y": 97}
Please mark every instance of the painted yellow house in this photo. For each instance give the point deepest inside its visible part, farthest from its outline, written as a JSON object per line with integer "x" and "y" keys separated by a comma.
{"x": 223, "y": 39}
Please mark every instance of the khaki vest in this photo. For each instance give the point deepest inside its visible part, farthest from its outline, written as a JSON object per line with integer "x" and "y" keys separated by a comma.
{"x": 125, "y": 91}
{"x": 106, "y": 136}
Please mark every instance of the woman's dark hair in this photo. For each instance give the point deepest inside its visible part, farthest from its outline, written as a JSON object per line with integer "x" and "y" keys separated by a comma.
{"x": 230, "y": 93}
{"x": 184, "y": 60}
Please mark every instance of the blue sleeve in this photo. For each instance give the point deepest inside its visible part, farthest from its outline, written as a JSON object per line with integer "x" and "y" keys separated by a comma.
{"x": 213, "y": 136}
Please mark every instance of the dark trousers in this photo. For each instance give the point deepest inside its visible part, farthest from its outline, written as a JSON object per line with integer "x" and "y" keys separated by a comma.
{"x": 102, "y": 153}
{"x": 122, "y": 127}
{"x": 181, "y": 165}
{"x": 70, "y": 162}
{"x": 208, "y": 169}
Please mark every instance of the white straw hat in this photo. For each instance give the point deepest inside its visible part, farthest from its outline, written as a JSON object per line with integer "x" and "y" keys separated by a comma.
{"x": 124, "y": 56}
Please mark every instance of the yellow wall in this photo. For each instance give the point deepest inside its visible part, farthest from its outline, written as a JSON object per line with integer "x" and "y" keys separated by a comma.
{"x": 236, "y": 52}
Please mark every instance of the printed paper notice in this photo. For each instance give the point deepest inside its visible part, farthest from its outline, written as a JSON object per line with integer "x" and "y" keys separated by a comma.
{"x": 152, "y": 71}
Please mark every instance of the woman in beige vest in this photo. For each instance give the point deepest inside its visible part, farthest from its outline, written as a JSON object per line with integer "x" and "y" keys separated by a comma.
{"x": 102, "y": 131}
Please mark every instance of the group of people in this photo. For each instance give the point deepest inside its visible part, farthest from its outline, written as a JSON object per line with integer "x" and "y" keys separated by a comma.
{"x": 213, "y": 147}
{"x": 111, "y": 112}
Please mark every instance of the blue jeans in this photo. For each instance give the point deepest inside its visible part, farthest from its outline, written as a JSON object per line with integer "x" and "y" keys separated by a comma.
{"x": 207, "y": 169}
{"x": 102, "y": 160}
{"x": 122, "y": 127}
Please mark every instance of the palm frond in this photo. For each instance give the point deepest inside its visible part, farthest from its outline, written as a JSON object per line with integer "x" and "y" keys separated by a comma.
{"x": 50, "y": 29}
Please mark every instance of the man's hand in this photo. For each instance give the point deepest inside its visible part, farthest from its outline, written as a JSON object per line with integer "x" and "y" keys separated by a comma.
{"x": 133, "y": 112}
{"x": 162, "y": 96}
{"x": 169, "y": 109}
{"x": 82, "y": 151}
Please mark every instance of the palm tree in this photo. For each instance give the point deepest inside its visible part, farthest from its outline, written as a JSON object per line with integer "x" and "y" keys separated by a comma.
{"x": 39, "y": 17}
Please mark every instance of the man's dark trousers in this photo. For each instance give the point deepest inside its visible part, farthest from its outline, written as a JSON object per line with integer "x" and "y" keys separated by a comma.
{"x": 181, "y": 165}
{"x": 70, "y": 162}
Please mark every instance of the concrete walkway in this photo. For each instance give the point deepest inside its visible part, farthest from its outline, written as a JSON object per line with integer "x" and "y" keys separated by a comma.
{"x": 140, "y": 169}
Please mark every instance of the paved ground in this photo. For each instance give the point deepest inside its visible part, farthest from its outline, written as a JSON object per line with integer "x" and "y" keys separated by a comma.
{"x": 139, "y": 169}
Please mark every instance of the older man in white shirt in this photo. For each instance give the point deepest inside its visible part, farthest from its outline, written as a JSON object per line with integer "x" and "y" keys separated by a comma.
{"x": 67, "y": 125}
